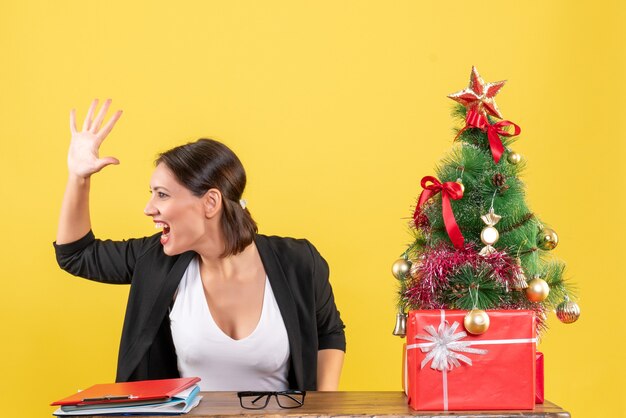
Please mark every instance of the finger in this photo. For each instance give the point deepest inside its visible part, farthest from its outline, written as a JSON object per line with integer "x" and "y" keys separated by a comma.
{"x": 103, "y": 162}
{"x": 92, "y": 109}
{"x": 73, "y": 121}
{"x": 98, "y": 121}
{"x": 107, "y": 128}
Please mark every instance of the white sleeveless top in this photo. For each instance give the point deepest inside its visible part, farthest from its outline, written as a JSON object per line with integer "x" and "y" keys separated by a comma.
{"x": 259, "y": 361}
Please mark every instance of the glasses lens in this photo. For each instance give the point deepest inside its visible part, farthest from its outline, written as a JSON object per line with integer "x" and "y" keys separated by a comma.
{"x": 254, "y": 401}
{"x": 290, "y": 400}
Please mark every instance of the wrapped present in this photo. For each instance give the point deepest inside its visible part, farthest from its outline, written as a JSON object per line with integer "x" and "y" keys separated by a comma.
{"x": 450, "y": 369}
{"x": 404, "y": 370}
{"x": 539, "y": 382}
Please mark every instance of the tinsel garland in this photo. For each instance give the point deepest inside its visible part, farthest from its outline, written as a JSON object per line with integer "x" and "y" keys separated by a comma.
{"x": 430, "y": 273}
{"x": 436, "y": 264}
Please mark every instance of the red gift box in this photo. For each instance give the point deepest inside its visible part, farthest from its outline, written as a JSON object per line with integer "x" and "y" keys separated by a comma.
{"x": 404, "y": 373}
{"x": 539, "y": 385}
{"x": 450, "y": 369}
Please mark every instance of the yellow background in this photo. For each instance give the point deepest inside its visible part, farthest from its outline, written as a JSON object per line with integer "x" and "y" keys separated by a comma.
{"x": 337, "y": 109}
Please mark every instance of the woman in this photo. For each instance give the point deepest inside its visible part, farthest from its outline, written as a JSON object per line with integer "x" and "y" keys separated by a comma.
{"x": 209, "y": 296}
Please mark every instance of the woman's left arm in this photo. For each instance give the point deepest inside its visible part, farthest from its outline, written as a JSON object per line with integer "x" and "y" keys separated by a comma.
{"x": 330, "y": 327}
{"x": 329, "y": 364}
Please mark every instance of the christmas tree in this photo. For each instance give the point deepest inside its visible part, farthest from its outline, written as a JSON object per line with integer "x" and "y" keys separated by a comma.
{"x": 476, "y": 244}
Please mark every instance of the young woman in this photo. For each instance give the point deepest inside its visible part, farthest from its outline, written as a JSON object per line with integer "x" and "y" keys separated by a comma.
{"x": 209, "y": 296}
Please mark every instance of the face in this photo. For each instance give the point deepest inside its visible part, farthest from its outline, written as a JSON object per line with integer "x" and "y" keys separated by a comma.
{"x": 175, "y": 210}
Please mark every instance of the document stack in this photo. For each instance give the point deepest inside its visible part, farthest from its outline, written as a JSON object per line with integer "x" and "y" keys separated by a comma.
{"x": 149, "y": 397}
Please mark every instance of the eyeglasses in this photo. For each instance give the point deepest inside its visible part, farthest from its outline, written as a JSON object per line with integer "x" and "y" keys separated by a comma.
{"x": 258, "y": 400}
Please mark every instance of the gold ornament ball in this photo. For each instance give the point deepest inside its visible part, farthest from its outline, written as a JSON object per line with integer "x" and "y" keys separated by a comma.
{"x": 489, "y": 235}
{"x": 514, "y": 158}
{"x": 414, "y": 270}
{"x": 400, "y": 268}
{"x": 460, "y": 183}
{"x": 547, "y": 239}
{"x": 476, "y": 321}
{"x": 567, "y": 312}
{"x": 537, "y": 290}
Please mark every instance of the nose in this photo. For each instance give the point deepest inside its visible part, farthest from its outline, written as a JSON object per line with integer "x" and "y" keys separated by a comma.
{"x": 150, "y": 210}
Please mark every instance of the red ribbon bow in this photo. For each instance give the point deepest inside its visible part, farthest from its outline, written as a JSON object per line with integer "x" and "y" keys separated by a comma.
{"x": 478, "y": 120}
{"x": 449, "y": 190}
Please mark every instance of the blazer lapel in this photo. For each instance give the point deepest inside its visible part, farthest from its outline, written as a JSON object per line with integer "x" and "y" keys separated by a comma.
{"x": 159, "y": 306}
{"x": 285, "y": 302}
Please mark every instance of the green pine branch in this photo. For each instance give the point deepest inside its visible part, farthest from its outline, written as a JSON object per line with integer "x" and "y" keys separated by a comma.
{"x": 469, "y": 289}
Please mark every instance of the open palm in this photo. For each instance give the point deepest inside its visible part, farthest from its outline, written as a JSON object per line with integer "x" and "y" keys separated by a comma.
{"x": 83, "y": 158}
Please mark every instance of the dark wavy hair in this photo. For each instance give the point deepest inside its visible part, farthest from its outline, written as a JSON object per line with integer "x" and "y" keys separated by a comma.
{"x": 208, "y": 164}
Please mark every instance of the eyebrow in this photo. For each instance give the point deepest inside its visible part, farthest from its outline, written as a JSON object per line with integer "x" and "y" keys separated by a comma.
{"x": 157, "y": 188}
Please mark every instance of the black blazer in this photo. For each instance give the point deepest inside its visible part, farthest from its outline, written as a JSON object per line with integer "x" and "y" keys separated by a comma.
{"x": 297, "y": 273}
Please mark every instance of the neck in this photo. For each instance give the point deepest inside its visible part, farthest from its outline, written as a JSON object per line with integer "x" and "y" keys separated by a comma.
{"x": 230, "y": 266}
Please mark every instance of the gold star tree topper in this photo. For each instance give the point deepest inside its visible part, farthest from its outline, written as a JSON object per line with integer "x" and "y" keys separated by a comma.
{"x": 479, "y": 96}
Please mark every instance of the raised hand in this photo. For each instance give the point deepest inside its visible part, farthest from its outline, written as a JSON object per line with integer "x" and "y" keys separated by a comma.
{"x": 83, "y": 158}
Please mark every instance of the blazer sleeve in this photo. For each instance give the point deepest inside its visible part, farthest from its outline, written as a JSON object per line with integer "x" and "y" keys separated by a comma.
{"x": 103, "y": 261}
{"x": 330, "y": 327}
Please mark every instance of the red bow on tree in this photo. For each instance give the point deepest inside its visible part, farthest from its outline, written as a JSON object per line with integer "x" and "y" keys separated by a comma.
{"x": 449, "y": 190}
{"x": 478, "y": 120}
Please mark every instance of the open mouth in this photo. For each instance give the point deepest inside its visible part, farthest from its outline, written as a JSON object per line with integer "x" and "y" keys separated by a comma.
{"x": 166, "y": 231}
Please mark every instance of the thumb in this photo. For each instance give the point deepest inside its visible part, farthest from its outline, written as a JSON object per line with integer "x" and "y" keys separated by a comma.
{"x": 103, "y": 162}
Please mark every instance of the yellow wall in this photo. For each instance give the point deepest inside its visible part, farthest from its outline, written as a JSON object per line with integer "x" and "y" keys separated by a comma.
{"x": 337, "y": 109}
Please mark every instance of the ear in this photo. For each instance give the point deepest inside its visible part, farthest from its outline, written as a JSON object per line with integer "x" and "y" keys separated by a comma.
{"x": 212, "y": 200}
